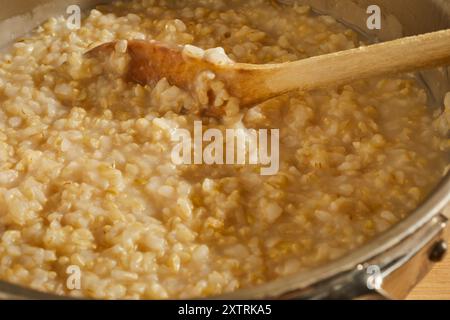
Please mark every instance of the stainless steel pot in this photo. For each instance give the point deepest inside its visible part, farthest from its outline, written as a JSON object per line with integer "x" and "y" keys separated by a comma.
{"x": 393, "y": 263}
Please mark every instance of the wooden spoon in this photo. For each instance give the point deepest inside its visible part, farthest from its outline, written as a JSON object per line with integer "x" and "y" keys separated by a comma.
{"x": 152, "y": 60}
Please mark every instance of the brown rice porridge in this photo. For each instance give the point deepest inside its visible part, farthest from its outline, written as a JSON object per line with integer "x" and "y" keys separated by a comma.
{"x": 86, "y": 177}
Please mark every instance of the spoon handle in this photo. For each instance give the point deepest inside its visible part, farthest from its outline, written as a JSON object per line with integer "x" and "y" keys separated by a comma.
{"x": 401, "y": 55}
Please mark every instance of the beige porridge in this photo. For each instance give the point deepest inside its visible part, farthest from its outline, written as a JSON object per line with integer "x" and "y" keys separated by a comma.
{"x": 86, "y": 177}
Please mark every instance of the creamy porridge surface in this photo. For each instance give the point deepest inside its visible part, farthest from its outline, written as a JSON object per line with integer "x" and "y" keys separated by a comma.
{"x": 86, "y": 177}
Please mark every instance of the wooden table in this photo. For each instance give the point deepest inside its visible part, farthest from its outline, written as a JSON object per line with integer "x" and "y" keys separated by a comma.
{"x": 436, "y": 285}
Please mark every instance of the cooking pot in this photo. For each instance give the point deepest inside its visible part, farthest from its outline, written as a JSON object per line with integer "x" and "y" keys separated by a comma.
{"x": 391, "y": 264}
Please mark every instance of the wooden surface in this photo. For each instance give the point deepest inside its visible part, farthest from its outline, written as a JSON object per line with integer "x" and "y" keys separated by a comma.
{"x": 436, "y": 285}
